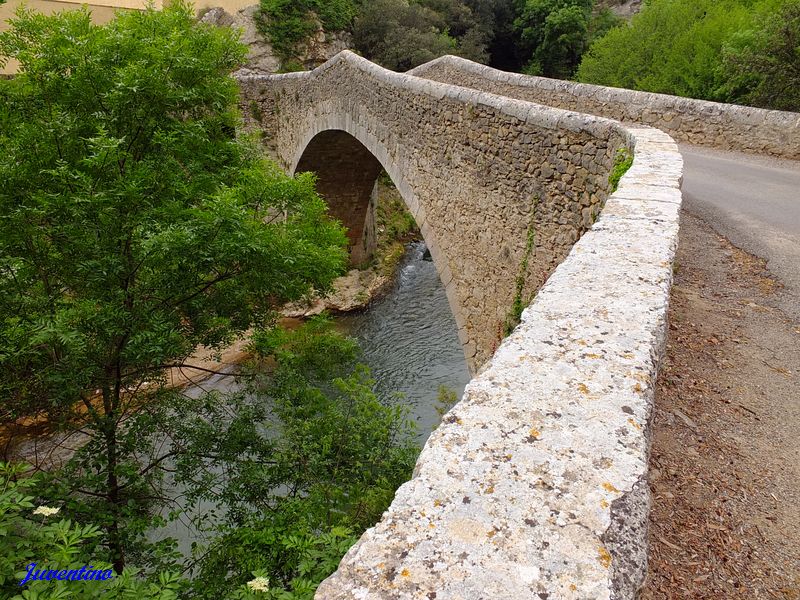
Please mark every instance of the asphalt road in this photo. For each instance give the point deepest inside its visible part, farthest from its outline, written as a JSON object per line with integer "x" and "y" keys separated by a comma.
{"x": 754, "y": 202}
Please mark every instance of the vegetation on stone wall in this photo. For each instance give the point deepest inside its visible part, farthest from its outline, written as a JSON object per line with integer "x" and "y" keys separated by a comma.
{"x": 395, "y": 228}
{"x": 519, "y": 303}
{"x": 622, "y": 162}
{"x": 724, "y": 50}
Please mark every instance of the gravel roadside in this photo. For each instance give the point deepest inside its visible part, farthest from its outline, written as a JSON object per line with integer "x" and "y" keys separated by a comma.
{"x": 725, "y": 462}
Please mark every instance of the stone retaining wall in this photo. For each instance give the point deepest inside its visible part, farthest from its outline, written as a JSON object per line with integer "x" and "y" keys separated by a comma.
{"x": 725, "y": 126}
{"x": 534, "y": 485}
{"x": 476, "y": 170}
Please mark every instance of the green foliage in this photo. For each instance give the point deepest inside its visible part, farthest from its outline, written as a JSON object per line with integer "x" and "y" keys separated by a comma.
{"x": 395, "y": 227}
{"x": 291, "y": 66}
{"x": 401, "y": 35}
{"x": 495, "y": 19}
{"x": 601, "y": 23}
{"x": 519, "y": 303}
{"x": 729, "y": 50}
{"x": 556, "y": 33}
{"x": 57, "y": 543}
{"x": 398, "y": 34}
{"x": 289, "y": 22}
{"x": 299, "y": 559}
{"x": 135, "y": 226}
{"x": 394, "y": 221}
{"x": 446, "y": 398}
{"x": 312, "y": 458}
{"x": 764, "y": 62}
{"x": 622, "y": 162}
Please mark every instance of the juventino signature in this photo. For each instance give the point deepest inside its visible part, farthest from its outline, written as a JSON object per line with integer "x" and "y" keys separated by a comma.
{"x": 85, "y": 573}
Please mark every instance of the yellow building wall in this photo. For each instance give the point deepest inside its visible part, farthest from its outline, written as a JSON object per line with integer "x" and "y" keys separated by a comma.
{"x": 102, "y": 11}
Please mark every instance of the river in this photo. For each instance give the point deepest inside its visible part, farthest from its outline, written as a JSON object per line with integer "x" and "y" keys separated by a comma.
{"x": 409, "y": 340}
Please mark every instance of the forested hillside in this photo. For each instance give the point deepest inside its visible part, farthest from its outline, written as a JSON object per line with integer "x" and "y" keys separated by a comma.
{"x": 742, "y": 51}
{"x": 538, "y": 36}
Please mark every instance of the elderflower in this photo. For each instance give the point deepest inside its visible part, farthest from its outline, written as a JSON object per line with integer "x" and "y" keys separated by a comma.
{"x": 259, "y": 584}
{"x": 46, "y": 511}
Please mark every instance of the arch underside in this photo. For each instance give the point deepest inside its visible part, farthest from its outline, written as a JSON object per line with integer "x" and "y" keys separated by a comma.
{"x": 477, "y": 181}
{"x": 347, "y": 174}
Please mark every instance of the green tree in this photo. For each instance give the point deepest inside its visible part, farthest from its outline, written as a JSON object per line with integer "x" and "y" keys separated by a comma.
{"x": 496, "y": 20}
{"x": 763, "y": 63}
{"x": 135, "y": 227}
{"x": 554, "y": 34}
{"x": 730, "y": 51}
{"x": 400, "y": 35}
{"x": 303, "y": 461}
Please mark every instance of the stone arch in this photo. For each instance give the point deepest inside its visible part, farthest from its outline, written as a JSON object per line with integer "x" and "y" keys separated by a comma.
{"x": 478, "y": 172}
{"x": 348, "y": 160}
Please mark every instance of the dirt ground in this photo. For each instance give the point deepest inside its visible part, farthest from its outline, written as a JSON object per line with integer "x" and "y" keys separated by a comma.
{"x": 725, "y": 463}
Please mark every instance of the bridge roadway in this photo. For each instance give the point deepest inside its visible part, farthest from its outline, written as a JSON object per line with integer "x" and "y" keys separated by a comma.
{"x": 753, "y": 201}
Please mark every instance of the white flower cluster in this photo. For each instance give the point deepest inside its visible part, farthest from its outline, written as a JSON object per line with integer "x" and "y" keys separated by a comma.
{"x": 259, "y": 584}
{"x": 46, "y": 511}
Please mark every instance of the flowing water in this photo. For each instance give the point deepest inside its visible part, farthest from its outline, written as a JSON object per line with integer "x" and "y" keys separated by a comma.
{"x": 410, "y": 342}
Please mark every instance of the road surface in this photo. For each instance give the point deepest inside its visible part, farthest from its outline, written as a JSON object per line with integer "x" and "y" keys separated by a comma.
{"x": 753, "y": 201}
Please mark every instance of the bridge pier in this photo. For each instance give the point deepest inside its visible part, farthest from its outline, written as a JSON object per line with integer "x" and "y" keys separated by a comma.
{"x": 347, "y": 175}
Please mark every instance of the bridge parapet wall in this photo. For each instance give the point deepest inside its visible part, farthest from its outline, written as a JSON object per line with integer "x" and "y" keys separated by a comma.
{"x": 534, "y": 485}
{"x": 476, "y": 170}
{"x": 725, "y": 126}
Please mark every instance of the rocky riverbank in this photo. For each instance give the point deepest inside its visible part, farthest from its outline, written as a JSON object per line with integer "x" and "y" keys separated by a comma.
{"x": 261, "y": 57}
{"x": 359, "y": 287}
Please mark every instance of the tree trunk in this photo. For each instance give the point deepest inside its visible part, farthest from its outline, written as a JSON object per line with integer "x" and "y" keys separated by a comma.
{"x": 112, "y": 484}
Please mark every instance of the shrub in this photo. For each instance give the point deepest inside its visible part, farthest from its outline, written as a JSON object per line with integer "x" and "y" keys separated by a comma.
{"x": 37, "y": 536}
{"x": 764, "y": 63}
{"x": 726, "y": 51}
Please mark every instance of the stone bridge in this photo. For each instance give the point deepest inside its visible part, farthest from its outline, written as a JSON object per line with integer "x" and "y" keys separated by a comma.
{"x": 534, "y": 485}
{"x": 478, "y": 172}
